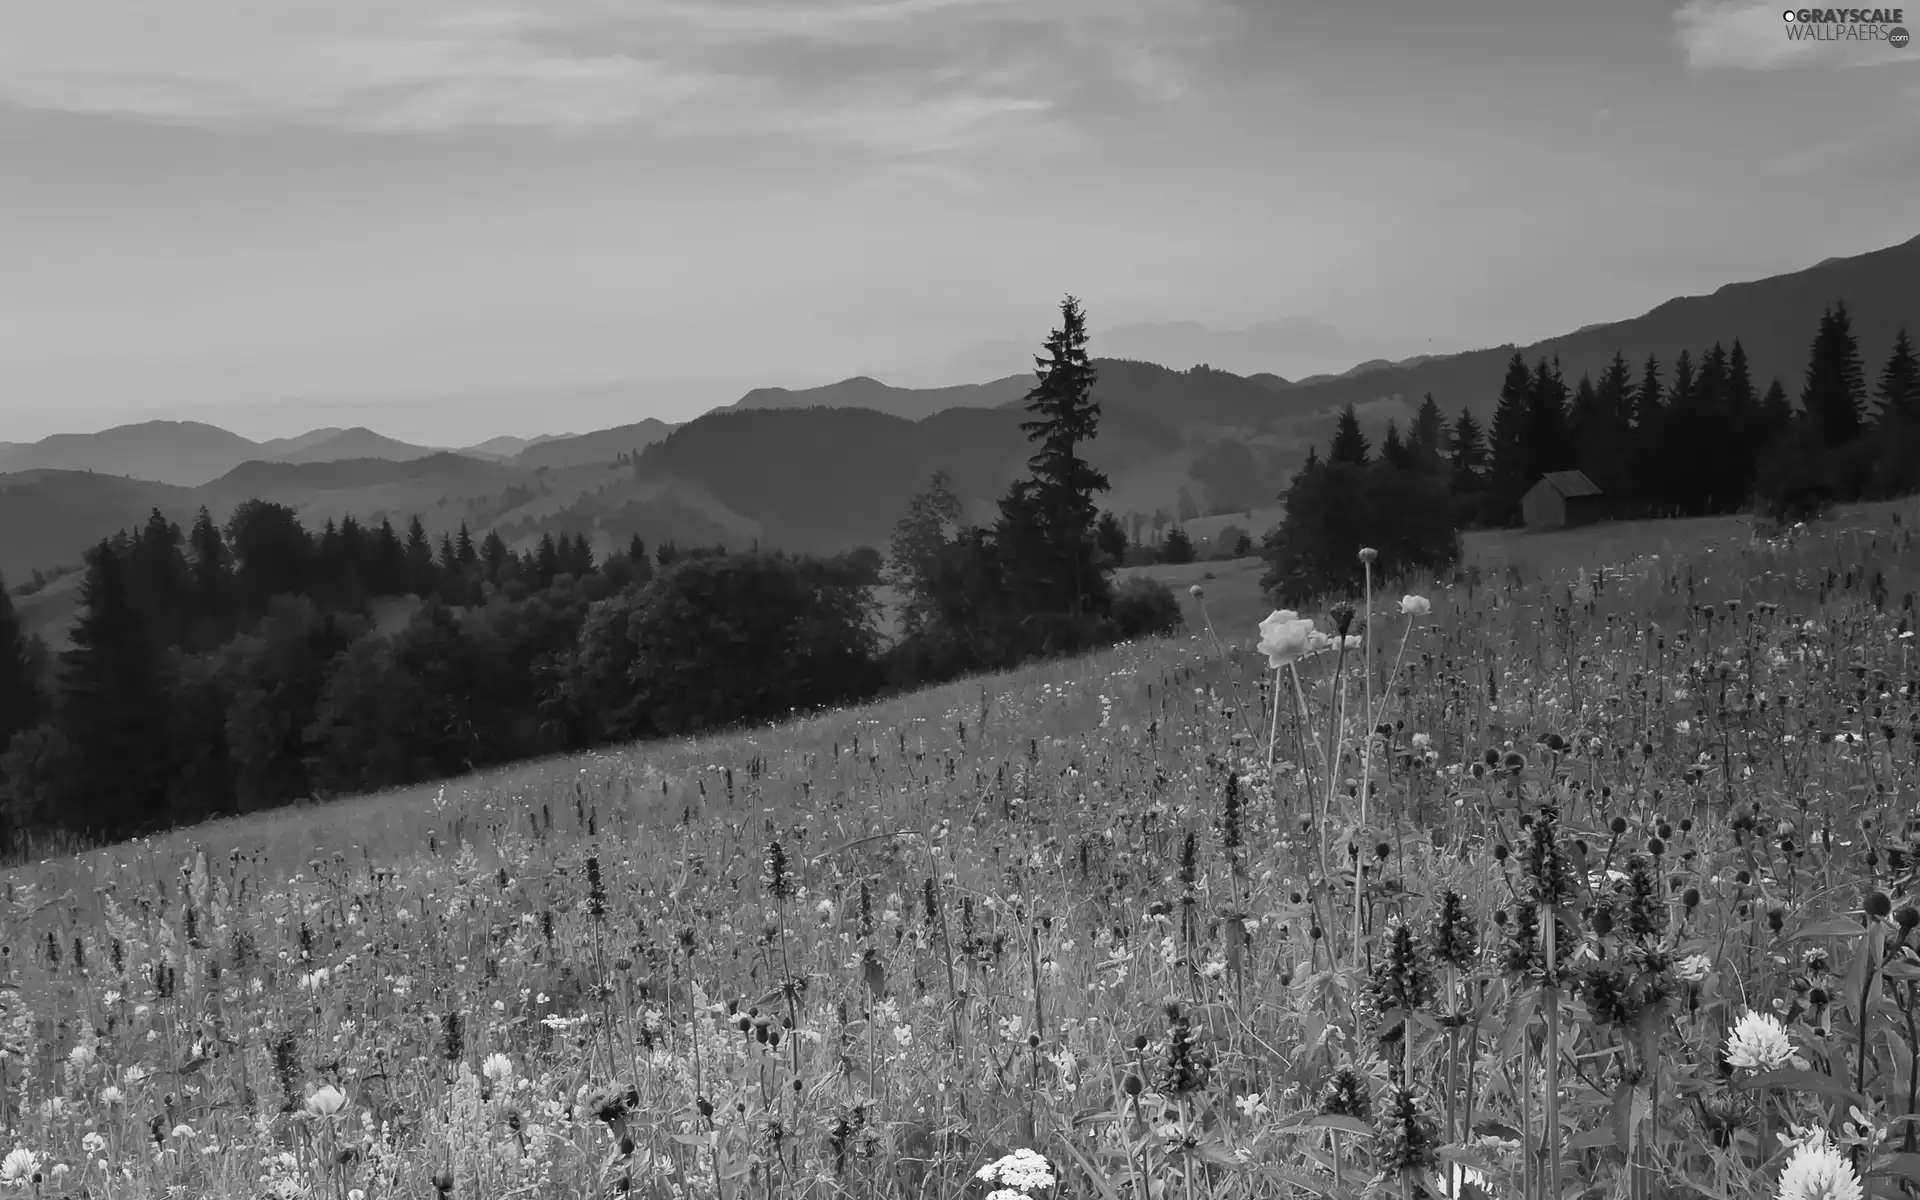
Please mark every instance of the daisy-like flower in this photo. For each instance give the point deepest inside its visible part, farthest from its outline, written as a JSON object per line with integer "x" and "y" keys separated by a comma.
{"x": 1759, "y": 1043}
{"x": 1818, "y": 1171}
{"x": 1022, "y": 1173}
{"x": 19, "y": 1167}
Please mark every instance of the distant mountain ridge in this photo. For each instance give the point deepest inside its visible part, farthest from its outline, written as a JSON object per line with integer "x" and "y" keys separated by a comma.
{"x": 826, "y": 467}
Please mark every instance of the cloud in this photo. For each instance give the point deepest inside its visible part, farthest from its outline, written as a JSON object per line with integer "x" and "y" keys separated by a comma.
{"x": 886, "y": 75}
{"x": 1743, "y": 35}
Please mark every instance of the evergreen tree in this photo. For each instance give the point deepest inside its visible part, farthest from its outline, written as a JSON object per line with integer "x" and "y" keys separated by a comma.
{"x": 1742, "y": 406}
{"x": 494, "y": 554}
{"x": 1546, "y": 443}
{"x": 1176, "y": 547}
{"x": 212, "y": 582}
{"x": 1467, "y": 446}
{"x": 1349, "y": 444}
{"x": 1776, "y": 413}
{"x": 21, "y": 701}
{"x": 463, "y": 548}
{"x": 1111, "y": 536}
{"x": 419, "y": 559}
{"x": 1835, "y": 394}
{"x": 1392, "y": 450}
{"x": 546, "y": 561}
{"x": 1427, "y": 439}
{"x": 158, "y": 579}
{"x": 1059, "y": 505}
{"x": 1508, "y": 478}
{"x": 113, "y": 705}
{"x": 1899, "y": 390}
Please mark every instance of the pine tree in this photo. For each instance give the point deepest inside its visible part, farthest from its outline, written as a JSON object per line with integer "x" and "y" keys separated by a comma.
{"x": 1508, "y": 479}
{"x": 494, "y": 554}
{"x": 212, "y": 580}
{"x": 21, "y": 701}
{"x": 1835, "y": 393}
{"x": 1742, "y": 406}
{"x": 1177, "y": 547}
{"x": 1349, "y": 444}
{"x": 1467, "y": 445}
{"x": 463, "y": 548}
{"x": 1546, "y": 423}
{"x": 113, "y": 704}
{"x": 419, "y": 559}
{"x": 1428, "y": 437}
{"x": 1776, "y": 414}
{"x": 1899, "y": 390}
{"x": 1392, "y": 450}
{"x": 1059, "y": 505}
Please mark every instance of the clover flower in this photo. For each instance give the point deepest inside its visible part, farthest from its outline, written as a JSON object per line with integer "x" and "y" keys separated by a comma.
{"x": 1759, "y": 1043}
{"x": 1415, "y": 606}
{"x": 1818, "y": 1171}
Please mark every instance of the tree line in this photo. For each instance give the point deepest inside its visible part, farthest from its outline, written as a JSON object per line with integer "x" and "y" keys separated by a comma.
{"x": 228, "y": 669}
{"x": 1693, "y": 439}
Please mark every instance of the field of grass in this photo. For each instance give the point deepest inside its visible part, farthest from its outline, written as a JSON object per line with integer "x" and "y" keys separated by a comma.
{"x": 1121, "y": 911}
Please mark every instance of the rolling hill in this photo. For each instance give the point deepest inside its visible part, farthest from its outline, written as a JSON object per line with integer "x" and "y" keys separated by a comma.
{"x": 356, "y": 443}
{"x": 1774, "y": 318}
{"x": 600, "y": 446}
{"x": 181, "y": 453}
{"x": 909, "y": 403}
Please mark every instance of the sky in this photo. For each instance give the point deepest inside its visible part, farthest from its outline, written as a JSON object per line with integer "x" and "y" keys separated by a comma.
{"x": 451, "y": 219}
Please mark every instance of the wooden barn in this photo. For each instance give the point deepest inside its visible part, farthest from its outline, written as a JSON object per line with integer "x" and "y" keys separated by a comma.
{"x": 1561, "y": 499}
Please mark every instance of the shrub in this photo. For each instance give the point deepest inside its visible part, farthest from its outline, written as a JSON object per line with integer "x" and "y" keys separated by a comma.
{"x": 1145, "y": 607}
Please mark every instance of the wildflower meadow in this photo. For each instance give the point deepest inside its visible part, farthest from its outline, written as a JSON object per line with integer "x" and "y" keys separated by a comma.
{"x": 1596, "y": 884}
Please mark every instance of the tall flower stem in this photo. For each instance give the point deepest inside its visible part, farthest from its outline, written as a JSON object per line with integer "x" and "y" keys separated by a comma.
{"x": 1551, "y": 1113}
{"x": 1366, "y": 755}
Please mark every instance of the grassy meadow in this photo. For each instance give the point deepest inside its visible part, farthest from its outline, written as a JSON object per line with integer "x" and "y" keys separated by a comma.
{"x": 1614, "y": 901}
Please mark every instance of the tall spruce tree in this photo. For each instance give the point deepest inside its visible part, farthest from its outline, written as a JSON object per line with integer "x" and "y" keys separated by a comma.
{"x": 1507, "y": 478}
{"x": 1059, "y": 505}
{"x": 1349, "y": 444}
{"x": 21, "y": 701}
{"x": 1835, "y": 394}
{"x": 113, "y": 704}
{"x": 1427, "y": 439}
{"x": 1467, "y": 444}
{"x": 1393, "y": 451}
{"x": 1899, "y": 390}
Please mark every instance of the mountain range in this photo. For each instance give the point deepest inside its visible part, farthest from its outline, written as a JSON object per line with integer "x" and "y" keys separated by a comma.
{"x": 827, "y": 467}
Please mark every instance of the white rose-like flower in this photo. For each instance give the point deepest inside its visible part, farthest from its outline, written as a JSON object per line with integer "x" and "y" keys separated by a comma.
{"x": 1415, "y": 606}
{"x": 327, "y": 1101}
{"x": 1759, "y": 1043}
{"x": 1818, "y": 1171}
{"x": 1286, "y": 637}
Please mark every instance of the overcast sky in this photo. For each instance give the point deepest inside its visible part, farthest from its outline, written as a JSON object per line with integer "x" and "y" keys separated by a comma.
{"x": 522, "y": 214}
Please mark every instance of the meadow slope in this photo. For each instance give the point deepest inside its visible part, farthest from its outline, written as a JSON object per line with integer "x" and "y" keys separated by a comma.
{"x": 1073, "y": 909}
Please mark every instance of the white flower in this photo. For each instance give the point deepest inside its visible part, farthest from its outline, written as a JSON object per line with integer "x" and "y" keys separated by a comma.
{"x": 1459, "y": 1181}
{"x": 19, "y": 1166}
{"x": 327, "y": 1101}
{"x": 1759, "y": 1043}
{"x": 1818, "y": 1171}
{"x": 497, "y": 1067}
{"x": 1022, "y": 1172}
{"x": 1252, "y": 1105}
{"x": 1286, "y": 637}
{"x": 1693, "y": 968}
{"x": 1415, "y": 606}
